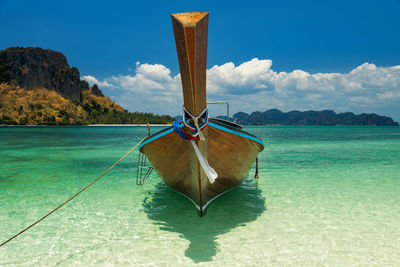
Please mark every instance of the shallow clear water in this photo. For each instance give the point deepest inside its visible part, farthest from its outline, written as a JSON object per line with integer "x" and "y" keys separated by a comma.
{"x": 325, "y": 196}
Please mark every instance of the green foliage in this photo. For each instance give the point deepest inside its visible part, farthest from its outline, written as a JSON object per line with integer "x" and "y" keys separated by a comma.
{"x": 105, "y": 116}
{"x": 132, "y": 118}
{"x": 100, "y": 114}
{"x": 38, "y": 106}
{"x": 7, "y": 120}
{"x": 23, "y": 121}
{"x": 49, "y": 120}
{"x": 4, "y": 68}
{"x": 62, "y": 113}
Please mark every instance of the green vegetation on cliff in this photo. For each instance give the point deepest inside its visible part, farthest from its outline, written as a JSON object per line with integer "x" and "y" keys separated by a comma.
{"x": 19, "y": 106}
{"x": 37, "y": 106}
{"x": 102, "y": 110}
{"x": 38, "y": 87}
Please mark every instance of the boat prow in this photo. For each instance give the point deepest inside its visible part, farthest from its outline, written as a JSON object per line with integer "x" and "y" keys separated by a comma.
{"x": 198, "y": 157}
{"x": 231, "y": 152}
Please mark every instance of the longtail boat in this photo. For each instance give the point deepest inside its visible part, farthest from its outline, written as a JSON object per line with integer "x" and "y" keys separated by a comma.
{"x": 199, "y": 157}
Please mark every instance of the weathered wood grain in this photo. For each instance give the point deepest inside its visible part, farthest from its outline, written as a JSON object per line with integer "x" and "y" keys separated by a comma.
{"x": 232, "y": 156}
{"x": 190, "y": 30}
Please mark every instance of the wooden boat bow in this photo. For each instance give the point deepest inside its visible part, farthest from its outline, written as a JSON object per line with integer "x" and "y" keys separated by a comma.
{"x": 225, "y": 147}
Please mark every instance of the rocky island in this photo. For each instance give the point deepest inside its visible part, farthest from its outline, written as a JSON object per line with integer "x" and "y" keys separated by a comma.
{"x": 38, "y": 87}
{"x": 324, "y": 117}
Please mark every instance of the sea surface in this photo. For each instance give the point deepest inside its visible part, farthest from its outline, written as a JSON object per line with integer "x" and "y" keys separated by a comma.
{"x": 326, "y": 196}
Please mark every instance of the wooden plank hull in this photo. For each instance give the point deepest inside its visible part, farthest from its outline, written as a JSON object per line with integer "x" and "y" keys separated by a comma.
{"x": 230, "y": 151}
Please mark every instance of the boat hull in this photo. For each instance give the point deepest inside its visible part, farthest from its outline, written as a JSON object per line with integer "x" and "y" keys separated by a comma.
{"x": 229, "y": 150}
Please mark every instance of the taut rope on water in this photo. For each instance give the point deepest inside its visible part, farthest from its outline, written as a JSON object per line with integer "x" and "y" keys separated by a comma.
{"x": 71, "y": 198}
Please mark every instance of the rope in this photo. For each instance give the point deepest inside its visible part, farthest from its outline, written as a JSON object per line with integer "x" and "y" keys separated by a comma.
{"x": 176, "y": 127}
{"x": 71, "y": 198}
{"x": 197, "y": 128}
{"x": 197, "y": 135}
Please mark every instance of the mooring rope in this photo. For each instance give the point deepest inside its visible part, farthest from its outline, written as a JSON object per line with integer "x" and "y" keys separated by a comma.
{"x": 71, "y": 198}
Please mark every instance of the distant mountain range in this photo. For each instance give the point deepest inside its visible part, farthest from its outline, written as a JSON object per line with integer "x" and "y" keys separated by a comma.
{"x": 324, "y": 117}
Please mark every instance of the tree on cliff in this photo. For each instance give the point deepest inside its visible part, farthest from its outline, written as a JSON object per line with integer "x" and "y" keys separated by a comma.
{"x": 37, "y": 86}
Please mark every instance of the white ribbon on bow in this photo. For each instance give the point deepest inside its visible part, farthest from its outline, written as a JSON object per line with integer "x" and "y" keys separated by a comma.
{"x": 209, "y": 171}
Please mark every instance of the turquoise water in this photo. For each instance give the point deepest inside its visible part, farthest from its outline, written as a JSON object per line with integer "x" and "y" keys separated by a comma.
{"x": 325, "y": 196}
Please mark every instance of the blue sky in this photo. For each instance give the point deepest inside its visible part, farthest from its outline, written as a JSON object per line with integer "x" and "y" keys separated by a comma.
{"x": 261, "y": 54}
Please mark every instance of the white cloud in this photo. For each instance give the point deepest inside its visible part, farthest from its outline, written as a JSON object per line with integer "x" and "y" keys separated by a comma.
{"x": 92, "y": 80}
{"x": 254, "y": 85}
{"x": 389, "y": 95}
{"x": 233, "y": 80}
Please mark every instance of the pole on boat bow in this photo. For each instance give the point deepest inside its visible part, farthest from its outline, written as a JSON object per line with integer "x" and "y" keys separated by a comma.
{"x": 191, "y": 35}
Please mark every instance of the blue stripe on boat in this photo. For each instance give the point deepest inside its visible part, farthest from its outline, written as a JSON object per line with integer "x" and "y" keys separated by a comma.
{"x": 235, "y": 132}
{"x": 222, "y": 128}
{"x": 159, "y": 135}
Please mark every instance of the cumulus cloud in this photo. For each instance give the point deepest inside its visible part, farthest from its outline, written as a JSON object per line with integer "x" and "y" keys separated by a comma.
{"x": 389, "y": 95}
{"x": 92, "y": 80}
{"x": 254, "y": 85}
{"x": 230, "y": 79}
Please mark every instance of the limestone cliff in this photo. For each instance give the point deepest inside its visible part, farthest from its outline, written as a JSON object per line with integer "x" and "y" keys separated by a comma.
{"x": 37, "y": 86}
{"x": 33, "y": 68}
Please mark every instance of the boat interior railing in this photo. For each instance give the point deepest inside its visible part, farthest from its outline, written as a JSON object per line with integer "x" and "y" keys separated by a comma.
{"x": 221, "y": 102}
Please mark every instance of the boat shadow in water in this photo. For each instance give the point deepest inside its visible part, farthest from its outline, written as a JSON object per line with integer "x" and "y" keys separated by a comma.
{"x": 174, "y": 213}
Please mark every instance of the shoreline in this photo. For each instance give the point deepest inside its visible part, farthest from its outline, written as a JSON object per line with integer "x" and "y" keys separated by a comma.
{"x": 166, "y": 125}
{"x": 85, "y": 125}
{"x": 140, "y": 125}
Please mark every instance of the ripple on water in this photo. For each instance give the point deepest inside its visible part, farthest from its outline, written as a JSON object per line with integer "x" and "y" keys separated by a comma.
{"x": 326, "y": 196}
